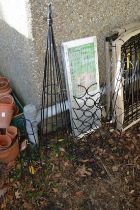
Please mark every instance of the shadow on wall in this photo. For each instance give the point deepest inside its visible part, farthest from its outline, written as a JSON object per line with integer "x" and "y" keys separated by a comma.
{"x": 16, "y": 56}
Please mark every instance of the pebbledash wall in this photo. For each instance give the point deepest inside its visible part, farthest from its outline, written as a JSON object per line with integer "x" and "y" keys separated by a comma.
{"x": 23, "y": 33}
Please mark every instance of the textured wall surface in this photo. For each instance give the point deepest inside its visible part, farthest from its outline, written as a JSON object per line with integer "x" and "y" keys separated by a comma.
{"x": 73, "y": 19}
{"x": 17, "y": 48}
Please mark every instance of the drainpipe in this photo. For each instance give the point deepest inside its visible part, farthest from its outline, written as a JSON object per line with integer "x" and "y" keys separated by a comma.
{"x": 108, "y": 76}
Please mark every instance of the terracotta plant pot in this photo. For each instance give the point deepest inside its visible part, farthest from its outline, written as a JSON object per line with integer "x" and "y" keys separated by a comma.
{"x": 7, "y": 92}
{"x": 7, "y": 100}
{"x": 9, "y": 154}
{"x": 5, "y": 142}
{"x": 6, "y": 115}
{"x": 4, "y": 86}
{"x": 4, "y": 83}
{"x": 10, "y": 100}
{"x": 11, "y": 131}
{"x": 6, "y": 110}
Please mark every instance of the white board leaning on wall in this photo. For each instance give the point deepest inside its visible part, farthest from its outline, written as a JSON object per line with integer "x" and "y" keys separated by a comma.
{"x": 80, "y": 61}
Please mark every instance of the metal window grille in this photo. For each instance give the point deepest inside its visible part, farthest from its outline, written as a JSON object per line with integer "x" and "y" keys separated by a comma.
{"x": 131, "y": 53}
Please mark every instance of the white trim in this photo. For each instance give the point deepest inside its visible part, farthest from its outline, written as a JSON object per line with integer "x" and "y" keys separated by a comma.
{"x": 116, "y": 66}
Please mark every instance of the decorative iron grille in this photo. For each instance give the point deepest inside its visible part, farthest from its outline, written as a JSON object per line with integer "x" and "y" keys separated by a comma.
{"x": 131, "y": 55}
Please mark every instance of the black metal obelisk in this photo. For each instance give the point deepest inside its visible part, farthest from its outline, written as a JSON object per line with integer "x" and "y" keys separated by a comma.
{"x": 54, "y": 117}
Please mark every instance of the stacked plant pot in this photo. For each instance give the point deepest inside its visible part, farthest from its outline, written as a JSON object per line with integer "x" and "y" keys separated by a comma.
{"x": 9, "y": 146}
